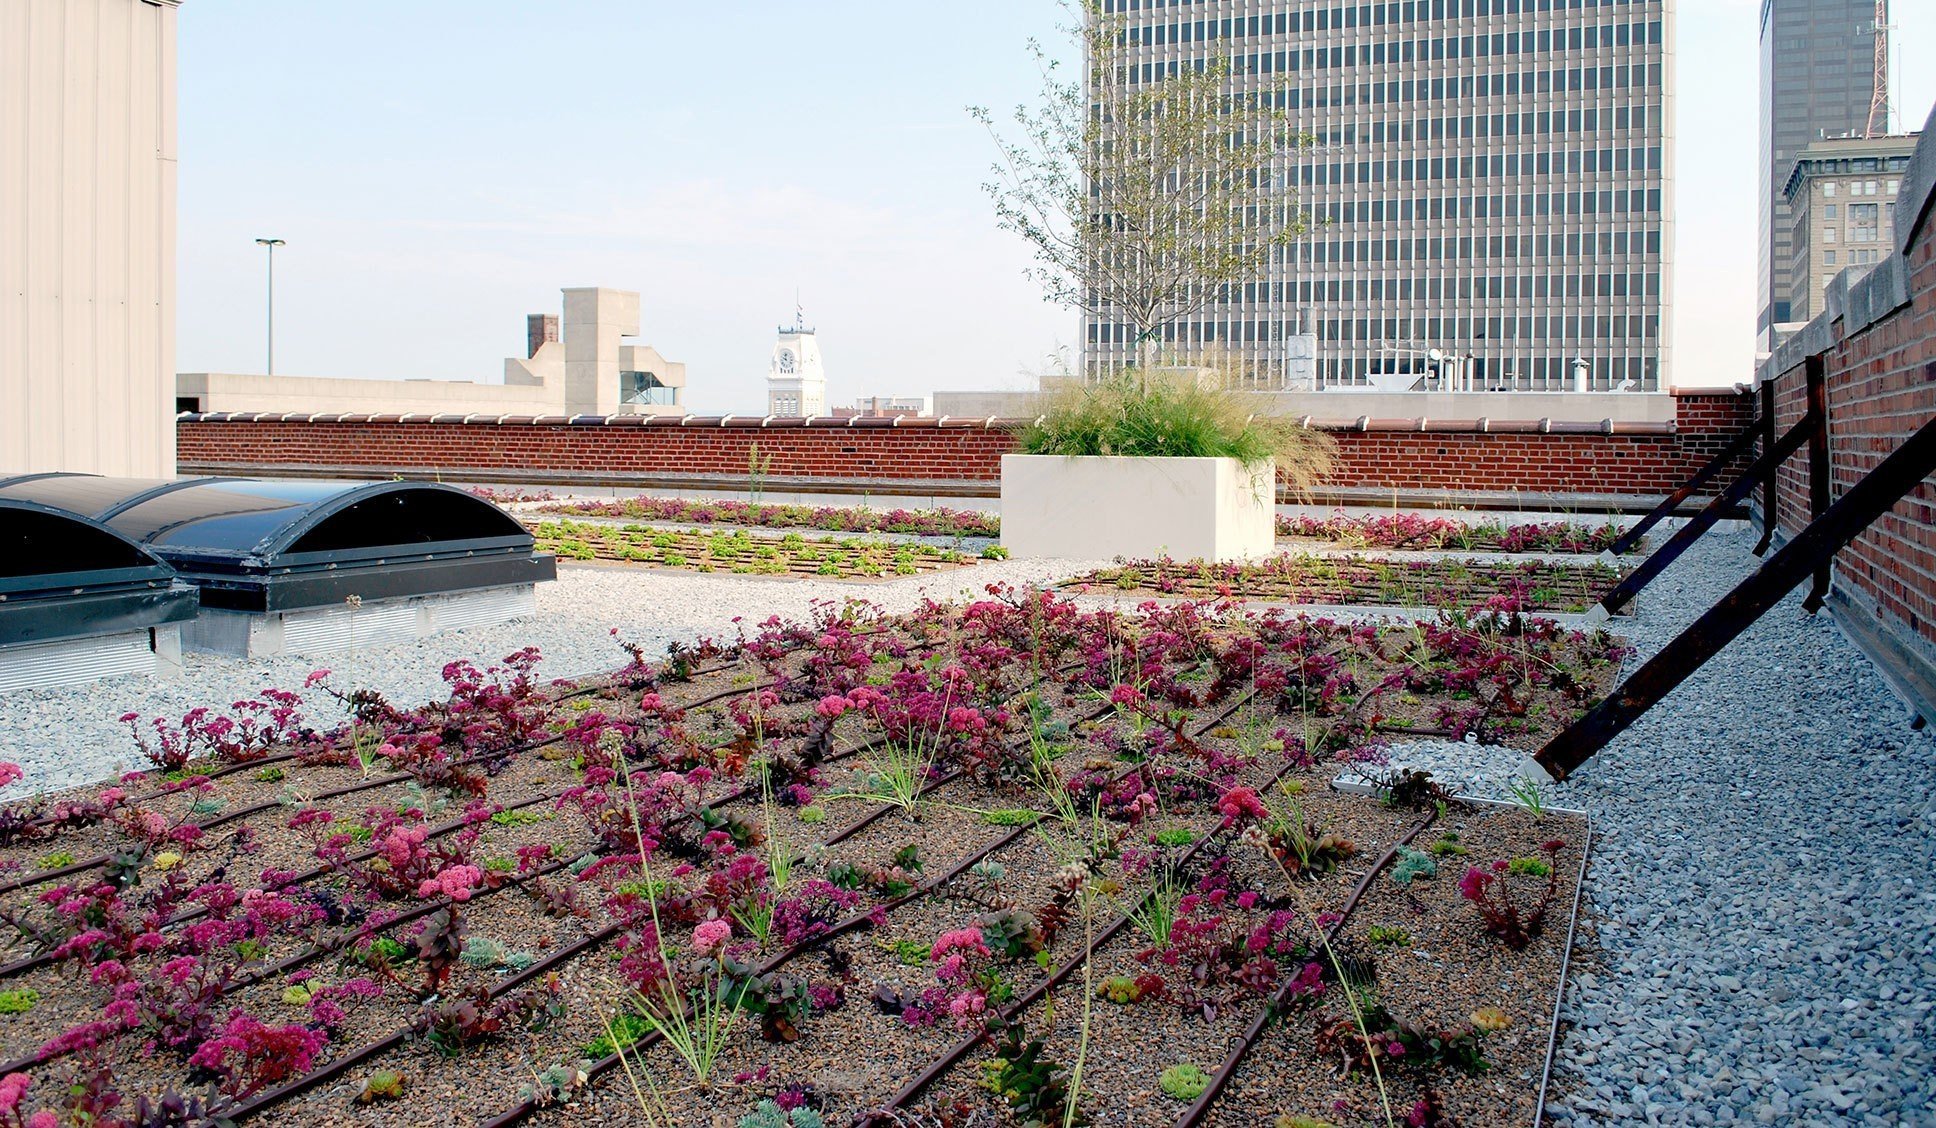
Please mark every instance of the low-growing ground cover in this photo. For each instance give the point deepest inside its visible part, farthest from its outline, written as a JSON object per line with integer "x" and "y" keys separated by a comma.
{"x": 1288, "y": 577}
{"x": 788, "y": 877}
{"x": 1413, "y": 531}
{"x": 939, "y": 522}
{"x": 742, "y": 552}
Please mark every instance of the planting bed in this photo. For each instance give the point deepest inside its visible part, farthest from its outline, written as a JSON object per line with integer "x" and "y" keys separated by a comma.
{"x": 742, "y": 552}
{"x": 1530, "y": 585}
{"x": 940, "y": 522}
{"x": 877, "y": 857}
{"x": 1412, "y": 531}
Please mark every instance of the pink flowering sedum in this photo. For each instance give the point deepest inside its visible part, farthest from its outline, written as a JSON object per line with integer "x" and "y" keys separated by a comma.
{"x": 711, "y": 934}
{"x": 10, "y": 773}
{"x": 455, "y": 883}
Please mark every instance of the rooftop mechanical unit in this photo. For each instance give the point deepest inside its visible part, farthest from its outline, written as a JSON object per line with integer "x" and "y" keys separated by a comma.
{"x": 79, "y": 601}
{"x": 312, "y": 567}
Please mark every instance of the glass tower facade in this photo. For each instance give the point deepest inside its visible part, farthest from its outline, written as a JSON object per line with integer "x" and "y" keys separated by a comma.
{"x": 1818, "y": 79}
{"x": 1486, "y": 179}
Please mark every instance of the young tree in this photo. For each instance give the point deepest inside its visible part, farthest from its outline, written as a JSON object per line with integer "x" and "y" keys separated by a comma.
{"x": 1144, "y": 202}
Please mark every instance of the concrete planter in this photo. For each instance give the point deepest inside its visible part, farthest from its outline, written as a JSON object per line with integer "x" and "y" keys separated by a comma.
{"x": 1098, "y": 508}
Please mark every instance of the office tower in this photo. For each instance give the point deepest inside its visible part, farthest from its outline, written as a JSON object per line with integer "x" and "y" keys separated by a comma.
{"x": 1489, "y": 179}
{"x": 1818, "y": 80}
{"x": 1841, "y": 194}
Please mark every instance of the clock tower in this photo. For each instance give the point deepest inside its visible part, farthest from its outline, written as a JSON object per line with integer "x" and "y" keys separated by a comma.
{"x": 795, "y": 382}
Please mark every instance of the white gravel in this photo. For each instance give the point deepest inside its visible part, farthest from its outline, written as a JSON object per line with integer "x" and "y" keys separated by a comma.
{"x": 64, "y": 737}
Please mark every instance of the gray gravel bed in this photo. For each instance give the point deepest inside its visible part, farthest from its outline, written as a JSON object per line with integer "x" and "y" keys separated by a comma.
{"x": 1760, "y": 883}
{"x": 64, "y": 737}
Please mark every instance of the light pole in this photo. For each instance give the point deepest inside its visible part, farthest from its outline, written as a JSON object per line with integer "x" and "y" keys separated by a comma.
{"x": 272, "y": 244}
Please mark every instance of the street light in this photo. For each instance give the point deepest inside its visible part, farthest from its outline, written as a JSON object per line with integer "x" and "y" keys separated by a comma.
{"x": 272, "y": 244}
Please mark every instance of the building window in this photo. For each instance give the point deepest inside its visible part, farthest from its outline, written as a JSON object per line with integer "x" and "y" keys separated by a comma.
{"x": 1864, "y": 220}
{"x": 1828, "y": 235}
{"x": 1829, "y": 210}
{"x": 1828, "y": 188}
{"x": 1894, "y": 186}
{"x": 1828, "y": 258}
{"x": 645, "y": 388}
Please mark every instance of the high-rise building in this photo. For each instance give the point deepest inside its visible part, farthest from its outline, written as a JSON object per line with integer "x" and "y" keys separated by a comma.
{"x": 1818, "y": 79}
{"x": 1489, "y": 179}
{"x": 1842, "y": 196}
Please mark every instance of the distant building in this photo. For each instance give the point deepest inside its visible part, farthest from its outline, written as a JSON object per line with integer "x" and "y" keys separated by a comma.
{"x": 577, "y": 365}
{"x": 1842, "y": 196}
{"x": 1490, "y": 178}
{"x": 796, "y": 384}
{"x": 1819, "y": 78}
{"x": 885, "y": 406}
{"x": 87, "y": 236}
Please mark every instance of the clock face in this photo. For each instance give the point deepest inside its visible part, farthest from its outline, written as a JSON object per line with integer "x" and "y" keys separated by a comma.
{"x": 786, "y": 360}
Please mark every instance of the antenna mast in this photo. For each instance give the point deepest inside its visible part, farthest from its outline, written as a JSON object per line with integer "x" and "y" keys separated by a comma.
{"x": 1879, "y": 102}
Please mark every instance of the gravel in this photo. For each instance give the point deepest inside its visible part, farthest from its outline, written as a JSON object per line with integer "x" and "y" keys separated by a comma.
{"x": 64, "y": 737}
{"x": 1760, "y": 901}
{"x": 1760, "y": 883}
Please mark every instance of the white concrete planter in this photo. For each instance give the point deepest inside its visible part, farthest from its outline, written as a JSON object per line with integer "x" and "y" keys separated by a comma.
{"x": 1098, "y": 508}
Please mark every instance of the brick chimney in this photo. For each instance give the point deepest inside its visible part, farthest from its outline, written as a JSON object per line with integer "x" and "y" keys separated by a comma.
{"x": 539, "y": 329}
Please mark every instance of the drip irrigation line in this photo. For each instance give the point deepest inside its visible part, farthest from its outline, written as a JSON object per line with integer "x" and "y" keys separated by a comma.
{"x": 337, "y": 1066}
{"x": 240, "y": 813}
{"x": 417, "y": 912}
{"x": 611, "y": 1061}
{"x": 590, "y": 942}
{"x": 953, "y": 1055}
{"x": 596, "y": 684}
{"x": 1200, "y": 1107}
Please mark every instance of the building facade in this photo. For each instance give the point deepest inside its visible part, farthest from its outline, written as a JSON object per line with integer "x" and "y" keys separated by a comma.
{"x": 1489, "y": 180}
{"x": 580, "y": 365}
{"x": 87, "y": 236}
{"x": 1818, "y": 80}
{"x": 796, "y": 383}
{"x": 1842, "y": 197}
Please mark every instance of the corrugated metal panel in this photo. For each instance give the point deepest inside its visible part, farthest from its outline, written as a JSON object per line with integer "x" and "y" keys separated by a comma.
{"x": 483, "y": 608}
{"x": 75, "y": 661}
{"x": 87, "y": 235}
{"x": 322, "y": 632}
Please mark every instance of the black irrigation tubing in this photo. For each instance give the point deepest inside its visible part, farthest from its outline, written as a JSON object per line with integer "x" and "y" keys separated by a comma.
{"x": 1200, "y": 1107}
{"x": 961, "y": 1049}
{"x": 590, "y": 942}
{"x": 336, "y": 1067}
{"x": 733, "y": 795}
{"x": 596, "y": 683}
{"x": 239, "y": 813}
{"x": 417, "y": 912}
{"x": 611, "y": 1061}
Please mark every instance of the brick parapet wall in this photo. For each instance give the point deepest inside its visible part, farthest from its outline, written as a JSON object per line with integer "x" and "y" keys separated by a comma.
{"x": 1876, "y": 340}
{"x": 1501, "y": 457}
{"x": 1878, "y": 394}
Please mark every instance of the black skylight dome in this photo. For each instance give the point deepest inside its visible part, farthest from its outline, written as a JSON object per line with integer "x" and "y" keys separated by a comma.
{"x": 63, "y": 575}
{"x": 277, "y": 546}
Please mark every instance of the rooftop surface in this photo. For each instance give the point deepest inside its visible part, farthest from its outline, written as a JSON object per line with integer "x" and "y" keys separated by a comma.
{"x": 1754, "y": 946}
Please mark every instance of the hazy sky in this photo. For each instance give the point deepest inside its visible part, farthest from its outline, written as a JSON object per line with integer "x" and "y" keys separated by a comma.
{"x": 441, "y": 168}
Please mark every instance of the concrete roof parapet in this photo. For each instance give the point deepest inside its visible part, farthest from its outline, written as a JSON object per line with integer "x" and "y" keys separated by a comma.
{"x": 1918, "y": 188}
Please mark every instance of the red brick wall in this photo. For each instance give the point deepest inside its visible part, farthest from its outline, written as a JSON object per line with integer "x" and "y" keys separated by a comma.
{"x": 921, "y": 452}
{"x": 1878, "y": 395}
{"x": 1390, "y": 454}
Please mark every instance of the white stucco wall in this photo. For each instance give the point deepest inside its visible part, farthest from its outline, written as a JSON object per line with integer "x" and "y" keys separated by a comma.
{"x": 87, "y": 236}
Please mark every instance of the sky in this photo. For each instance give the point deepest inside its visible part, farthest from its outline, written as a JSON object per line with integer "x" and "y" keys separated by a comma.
{"x": 441, "y": 168}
